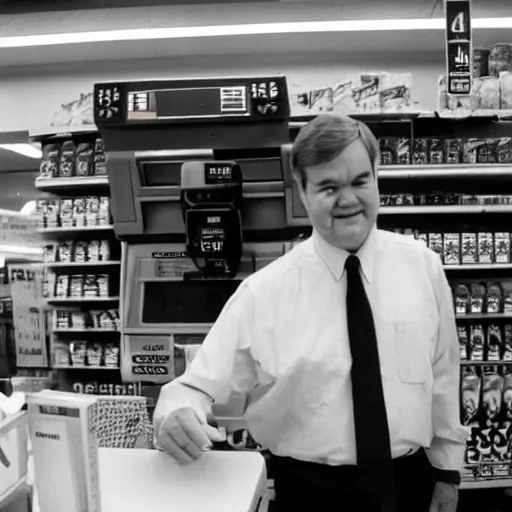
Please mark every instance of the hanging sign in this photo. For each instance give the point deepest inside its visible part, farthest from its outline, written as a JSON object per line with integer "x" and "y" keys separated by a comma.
{"x": 459, "y": 54}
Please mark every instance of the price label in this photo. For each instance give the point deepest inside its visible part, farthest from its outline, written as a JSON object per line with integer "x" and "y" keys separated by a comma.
{"x": 218, "y": 173}
{"x": 459, "y": 54}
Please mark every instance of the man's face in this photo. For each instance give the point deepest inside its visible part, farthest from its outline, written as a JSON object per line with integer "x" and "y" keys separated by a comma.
{"x": 342, "y": 197}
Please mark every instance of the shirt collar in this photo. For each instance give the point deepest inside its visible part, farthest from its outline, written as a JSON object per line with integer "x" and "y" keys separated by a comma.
{"x": 335, "y": 258}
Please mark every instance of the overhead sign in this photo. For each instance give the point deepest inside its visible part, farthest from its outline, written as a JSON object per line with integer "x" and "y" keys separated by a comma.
{"x": 459, "y": 54}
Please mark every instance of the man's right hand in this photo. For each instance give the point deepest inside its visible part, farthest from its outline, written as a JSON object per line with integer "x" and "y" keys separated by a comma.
{"x": 181, "y": 428}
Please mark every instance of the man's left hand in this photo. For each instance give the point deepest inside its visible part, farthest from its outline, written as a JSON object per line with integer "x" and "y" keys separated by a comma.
{"x": 445, "y": 498}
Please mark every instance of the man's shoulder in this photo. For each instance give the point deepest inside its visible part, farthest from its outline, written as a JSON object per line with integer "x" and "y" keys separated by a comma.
{"x": 279, "y": 270}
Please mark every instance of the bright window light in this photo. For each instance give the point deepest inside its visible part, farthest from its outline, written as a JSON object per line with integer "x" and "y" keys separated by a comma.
{"x": 23, "y": 149}
{"x": 243, "y": 29}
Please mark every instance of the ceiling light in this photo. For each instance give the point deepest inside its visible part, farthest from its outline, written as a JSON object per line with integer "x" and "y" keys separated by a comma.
{"x": 23, "y": 149}
{"x": 243, "y": 29}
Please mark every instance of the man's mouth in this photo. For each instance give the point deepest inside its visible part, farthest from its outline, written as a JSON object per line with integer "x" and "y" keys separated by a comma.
{"x": 347, "y": 215}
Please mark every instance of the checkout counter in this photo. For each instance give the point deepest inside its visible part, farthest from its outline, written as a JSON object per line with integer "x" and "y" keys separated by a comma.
{"x": 202, "y": 196}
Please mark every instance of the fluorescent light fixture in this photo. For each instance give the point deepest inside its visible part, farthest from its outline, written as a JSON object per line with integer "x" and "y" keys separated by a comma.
{"x": 21, "y": 250}
{"x": 23, "y": 149}
{"x": 244, "y": 29}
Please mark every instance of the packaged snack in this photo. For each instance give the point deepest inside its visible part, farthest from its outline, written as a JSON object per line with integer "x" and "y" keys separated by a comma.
{"x": 78, "y": 387}
{"x": 66, "y": 213}
{"x": 94, "y": 354}
{"x": 477, "y": 298}
{"x": 111, "y": 355}
{"x": 90, "y": 286}
{"x": 420, "y": 152}
{"x": 104, "y": 252}
{"x": 462, "y": 299}
{"x": 93, "y": 250}
{"x": 435, "y": 151}
{"x": 321, "y": 100}
{"x": 49, "y": 253}
{"x": 451, "y": 242}
{"x": 469, "y": 253}
{"x": 494, "y": 343}
{"x": 507, "y": 396}
{"x": 404, "y": 151}
{"x": 50, "y": 165}
{"x": 494, "y": 298}
{"x": 500, "y": 59}
{"x": 104, "y": 211}
{"x": 41, "y": 207}
{"x": 67, "y": 159}
{"x": 388, "y": 150}
{"x": 60, "y": 354}
{"x": 91, "y": 388}
{"x": 81, "y": 252}
{"x": 79, "y": 212}
{"x": 470, "y": 393}
{"x": 462, "y": 333}
{"x": 507, "y": 343}
{"x": 504, "y": 150}
{"x": 100, "y": 158}
{"x": 485, "y": 248}
{"x": 435, "y": 243}
{"x": 506, "y": 90}
{"x": 65, "y": 252}
{"x": 489, "y": 93}
{"x": 76, "y": 286}
{"x": 61, "y": 319}
{"x": 62, "y": 286}
{"x": 78, "y": 351}
{"x": 506, "y": 287}
{"x": 487, "y": 152}
{"x": 476, "y": 342}
{"x": 470, "y": 150}
{"x": 78, "y": 320}
{"x": 103, "y": 285}
{"x": 92, "y": 211}
{"x": 453, "y": 151}
{"x": 52, "y": 213}
{"x": 492, "y": 394}
{"x": 502, "y": 248}
{"x": 84, "y": 159}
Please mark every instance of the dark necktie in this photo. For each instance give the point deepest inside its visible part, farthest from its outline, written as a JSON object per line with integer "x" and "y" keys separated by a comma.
{"x": 373, "y": 448}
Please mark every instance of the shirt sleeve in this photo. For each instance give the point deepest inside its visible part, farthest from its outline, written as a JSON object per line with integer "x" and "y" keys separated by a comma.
{"x": 449, "y": 439}
{"x": 224, "y": 363}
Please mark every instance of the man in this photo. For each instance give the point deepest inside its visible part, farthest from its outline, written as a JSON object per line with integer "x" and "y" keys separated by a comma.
{"x": 347, "y": 347}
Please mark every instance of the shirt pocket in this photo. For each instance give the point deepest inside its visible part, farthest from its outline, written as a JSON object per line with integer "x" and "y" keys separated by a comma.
{"x": 413, "y": 343}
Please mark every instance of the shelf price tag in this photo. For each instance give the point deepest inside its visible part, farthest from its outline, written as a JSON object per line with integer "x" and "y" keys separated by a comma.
{"x": 459, "y": 50}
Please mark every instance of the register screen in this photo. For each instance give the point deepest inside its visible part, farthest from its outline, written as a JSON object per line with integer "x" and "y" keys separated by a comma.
{"x": 186, "y": 301}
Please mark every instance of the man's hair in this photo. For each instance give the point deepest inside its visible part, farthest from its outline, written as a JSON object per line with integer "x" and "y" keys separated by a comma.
{"x": 324, "y": 138}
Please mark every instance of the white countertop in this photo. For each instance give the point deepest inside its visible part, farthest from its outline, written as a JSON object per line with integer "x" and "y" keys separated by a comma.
{"x": 134, "y": 480}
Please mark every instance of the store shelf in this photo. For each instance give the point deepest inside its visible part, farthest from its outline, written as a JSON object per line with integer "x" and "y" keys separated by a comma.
{"x": 85, "y": 331}
{"x": 71, "y": 367}
{"x": 445, "y": 171}
{"x": 50, "y": 184}
{"x": 44, "y": 133}
{"x": 484, "y": 363}
{"x": 75, "y": 229}
{"x": 79, "y": 300}
{"x": 483, "y": 316}
{"x": 487, "y": 484}
{"x": 480, "y": 266}
{"x": 86, "y": 265}
{"x": 458, "y": 209}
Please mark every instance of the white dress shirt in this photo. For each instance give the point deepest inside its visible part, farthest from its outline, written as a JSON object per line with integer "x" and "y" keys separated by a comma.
{"x": 282, "y": 338}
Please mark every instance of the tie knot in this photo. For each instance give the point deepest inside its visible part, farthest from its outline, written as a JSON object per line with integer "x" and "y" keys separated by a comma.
{"x": 352, "y": 263}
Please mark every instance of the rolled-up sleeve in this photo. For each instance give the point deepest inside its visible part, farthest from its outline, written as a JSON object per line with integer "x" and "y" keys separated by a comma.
{"x": 224, "y": 363}
{"x": 449, "y": 436}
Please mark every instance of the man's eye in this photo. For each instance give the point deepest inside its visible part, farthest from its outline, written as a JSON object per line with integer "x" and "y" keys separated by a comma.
{"x": 358, "y": 183}
{"x": 329, "y": 190}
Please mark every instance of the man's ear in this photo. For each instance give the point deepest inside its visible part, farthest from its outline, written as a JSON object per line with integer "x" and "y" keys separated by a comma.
{"x": 301, "y": 191}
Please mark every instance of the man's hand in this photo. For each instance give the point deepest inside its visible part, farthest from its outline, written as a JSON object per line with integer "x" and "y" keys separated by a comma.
{"x": 445, "y": 498}
{"x": 185, "y": 435}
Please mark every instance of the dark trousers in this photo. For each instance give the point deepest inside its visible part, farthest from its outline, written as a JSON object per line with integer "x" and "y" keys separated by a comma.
{"x": 308, "y": 486}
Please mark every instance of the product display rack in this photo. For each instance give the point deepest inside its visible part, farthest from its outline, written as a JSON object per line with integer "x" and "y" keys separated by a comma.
{"x": 76, "y": 187}
{"x": 465, "y": 178}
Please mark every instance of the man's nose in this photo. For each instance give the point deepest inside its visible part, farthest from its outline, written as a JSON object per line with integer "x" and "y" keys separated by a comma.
{"x": 345, "y": 198}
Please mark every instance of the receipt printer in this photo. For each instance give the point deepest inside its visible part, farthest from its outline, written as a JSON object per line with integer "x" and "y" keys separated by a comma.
{"x": 211, "y": 200}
